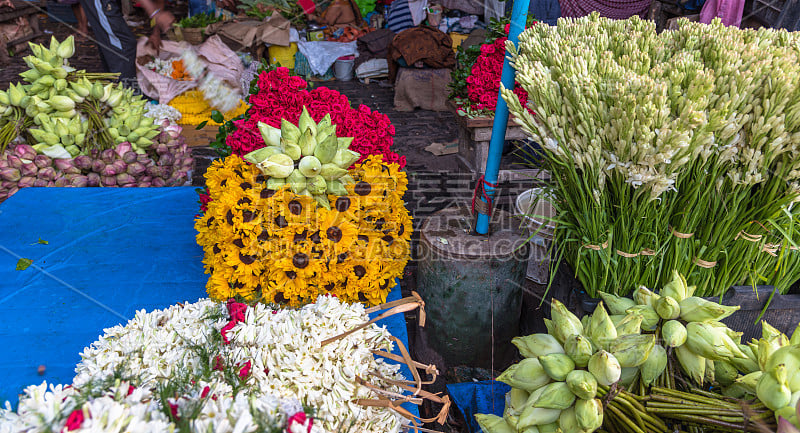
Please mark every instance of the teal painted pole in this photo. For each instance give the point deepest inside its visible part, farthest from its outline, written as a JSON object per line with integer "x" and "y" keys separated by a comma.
{"x": 519, "y": 17}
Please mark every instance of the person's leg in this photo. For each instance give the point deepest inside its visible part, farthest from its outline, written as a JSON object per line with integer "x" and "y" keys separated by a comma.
{"x": 83, "y": 23}
{"x": 115, "y": 40}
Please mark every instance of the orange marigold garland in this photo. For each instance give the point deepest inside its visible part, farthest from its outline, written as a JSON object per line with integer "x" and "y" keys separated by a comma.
{"x": 281, "y": 247}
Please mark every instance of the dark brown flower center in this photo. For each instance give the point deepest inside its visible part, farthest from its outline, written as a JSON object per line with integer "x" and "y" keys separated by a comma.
{"x": 315, "y": 237}
{"x": 330, "y": 286}
{"x": 280, "y": 221}
{"x": 245, "y": 185}
{"x": 295, "y": 207}
{"x": 239, "y": 243}
{"x": 229, "y": 218}
{"x": 300, "y": 237}
{"x": 361, "y": 297}
{"x": 363, "y": 238}
{"x": 379, "y": 223}
{"x": 264, "y": 236}
{"x": 210, "y": 221}
{"x": 388, "y": 239}
{"x": 279, "y": 298}
{"x": 238, "y": 285}
{"x": 342, "y": 204}
{"x": 261, "y": 178}
{"x": 248, "y": 216}
{"x": 362, "y": 188}
{"x": 244, "y": 200}
{"x": 247, "y": 259}
{"x": 291, "y": 275}
{"x": 334, "y": 234}
{"x": 359, "y": 270}
{"x": 401, "y": 230}
{"x": 267, "y": 193}
{"x": 223, "y": 182}
{"x": 341, "y": 257}
{"x": 300, "y": 260}
{"x": 216, "y": 249}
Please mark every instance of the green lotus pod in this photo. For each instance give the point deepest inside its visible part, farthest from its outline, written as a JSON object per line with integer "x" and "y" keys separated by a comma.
{"x": 316, "y": 185}
{"x": 270, "y": 134}
{"x": 616, "y": 304}
{"x": 655, "y": 364}
{"x": 773, "y": 388}
{"x": 694, "y": 309}
{"x": 493, "y": 424}
{"x": 568, "y": 422}
{"x": 279, "y": 165}
{"x": 310, "y": 167}
{"x": 632, "y": 350}
{"x": 326, "y": 150}
{"x": 749, "y": 381}
{"x": 790, "y": 357}
{"x": 649, "y": 316}
{"x": 582, "y": 384}
{"x": 589, "y": 414}
{"x": 725, "y": 372}
{"x": 556, "y": 395}
{"x": 566, "y": 323}
{"x": 275, "y": 183}
{"x": 629, "y": 324}
{"x": 677, "y": 288}
{"x": 552, "y": 427}
{"x": 673, "y": 333}
{"x": 602, "y": 330}
{"x": 711, "y": 342}
{"x": 307, "y": 124}
{"x": 297, "y": 182}
{"x": 343, "y": 142}
{"x": 344, "y": 158}
{"x": 331, "y": 172}
{"x": 515, "y": 400}
{"x": 605, "y": 368}
{"x": 643, "y": 296}
{"x": 527, "y": 375}
{"x": 579, "y": 348}
{"x": 66, "y": 49}
{"x": 557, "y": 365}
{"x": 667, "y": 308}
{"x": 693, "y": 364}
{"x": 336, "y": 188}
{"x": 322, "y": 200}
{"x": 535, "y": 345}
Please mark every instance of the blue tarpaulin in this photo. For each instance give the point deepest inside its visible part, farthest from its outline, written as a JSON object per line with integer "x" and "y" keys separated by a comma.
{"x": 479, "y": 397}
{"x": 109, "y": 253}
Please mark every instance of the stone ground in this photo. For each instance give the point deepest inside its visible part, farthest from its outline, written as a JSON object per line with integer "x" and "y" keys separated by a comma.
{"x": 434, "y": 181}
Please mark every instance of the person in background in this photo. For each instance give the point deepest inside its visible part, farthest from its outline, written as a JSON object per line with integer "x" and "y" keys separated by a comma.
{"x": 116, "y": 42}
{"x": 83, "y": 23}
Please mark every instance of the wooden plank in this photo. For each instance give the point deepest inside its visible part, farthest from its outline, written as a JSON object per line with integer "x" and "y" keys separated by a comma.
{"x": 478, "y": 122}
{"x": 199, "y": 138}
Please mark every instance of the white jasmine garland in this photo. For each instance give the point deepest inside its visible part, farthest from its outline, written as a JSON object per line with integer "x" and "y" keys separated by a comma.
{"x": 274, "y": 362}
{"x": 162, "y": 112}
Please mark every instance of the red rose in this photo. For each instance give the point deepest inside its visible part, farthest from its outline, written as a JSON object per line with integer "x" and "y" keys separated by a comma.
{"x": 298, "y": 423}
{"x": 205, "y": 392}
{"x": 74, "y": 420}
{"x": 245, "y": 371}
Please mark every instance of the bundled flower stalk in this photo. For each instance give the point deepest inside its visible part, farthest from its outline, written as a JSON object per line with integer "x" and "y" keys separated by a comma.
{"x": 210, "y": 367}
{"x": 670, "y": 151}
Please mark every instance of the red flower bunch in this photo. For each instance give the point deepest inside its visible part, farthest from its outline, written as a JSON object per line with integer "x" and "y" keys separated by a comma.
{"x": 484, "y": 81}
{"x": 282, "y": 96}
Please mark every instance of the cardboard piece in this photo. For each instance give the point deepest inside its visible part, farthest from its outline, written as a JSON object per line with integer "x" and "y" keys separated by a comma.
{"x": 242, "y": 35}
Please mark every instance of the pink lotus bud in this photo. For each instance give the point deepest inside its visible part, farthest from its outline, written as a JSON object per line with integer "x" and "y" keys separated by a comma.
{"x": 94, "y": 153}
{"x": 3, "y": 164}
{"x": 98, "y": 165}
{"x": 120, "y": 166}
{"x": 39, "y": 183}
{"x": 47, "y": 173}
{"x": 109, "y": 170}
{"x": 29, "y": 169}
{"x": 93, "y": 179}
{"x": 6, "y": 185}
{"x": 144, "y": 184}
{"x": 14, "y": 161}
{"x": 174, "y": 131}
{"x": 158, "y": 182}
{"x": 108, "y": 180}
{"x": 108, "y": 156}
{"x": 10, "y": 174}
{"x": 25, "y": 152}
{"x": 154, "y": 171}
{"x": 123, "y": 148}
{"x": 12, "y": 191}
{"x": 128, "y": 185}
{"x": 61, "y": 182}
{"x": 145, "y": 178}
{"x": 165, "y": 123}
{"x": 136, "y": 169}
{"x": 26, "y": 182}
{"x": 166, "y": 159}
{"x": 143, "y": 158}
{"x": 161, "y": 148}
{"x": 3, "y": 196}
{"x": 51, "y": 183}
{"x": 42, "y": 161}
{"x": 129, "y": 157}
{"x": 83, "y": 162}
{"x": 184, "y": 148}
{"x": 124, "y": 179}
{"x": 66, "y": 166}
{"x": 79, "y": 181}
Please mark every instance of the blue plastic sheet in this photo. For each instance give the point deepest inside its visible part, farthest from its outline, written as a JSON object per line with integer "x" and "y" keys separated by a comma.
{"x": 479, "y": 397}
{"x": 109, "y": 253}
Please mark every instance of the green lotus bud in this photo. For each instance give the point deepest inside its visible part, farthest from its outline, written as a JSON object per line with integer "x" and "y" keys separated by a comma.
{"x": 748, "y": 364}
{"x": 297, "y": 182}
{"x": 15, "y": 94}
{"x": 326, "y": 150}
{"x": 694, "y": 309}
{"x": 551, "y": 327}
{"x": 677, "y": 288}
{"x": 309, "y": 166}
{"x": 527, "y": 375}
{"x": 568, "y": 422}
{"x": 344, "y": 142}
{"x": 97, "y": 90}
{"x": 67, "y": 48}
{"x": 345, "y": 158}
{"x": 693, "y": 364}
{"x": 331, "y": 172}
{"x": 725, "y": 373}
{"x": 605, "y": 368}
{"x": 643, "y": 296}
{"x": 511, "y": 418}
{"x": 768, "y": 346}
{"x": 270, "y": 134}
{"x": 275, "y": 183}
{"x": 655, "y": 364}
{"x": 61, "y": 103}
{"x": 773, "y": 388}
{"x": 307, "y": 143}
{"x": 673, "y": 333}
{"x": 736, "y": 391}
{"x": 289, "y": 131}
{"x": 667, "y": 308}
{"x": 45, "y": 81}
{"x": 589, "y": 414}
{"x": 493, "y": 424}
{"x": 322, "y": 200}
{"x": 307, "y": 124}
{"x": 627, "y": 376}
{"x": 556, "y": 395}
{"x": 80, "y": 139}
{"x": 80, "y": 88}
{"x": 316, "y": 185}
{"x": 579, "y": 348}
{"x": 515, "y": 400}
{"x": 278, "y": 165}
{"x": 632, "y": 350}
{"x": 557, "y": 365}
{"x": 566, "y": 323}
{"x": 61, "y": 85}
{"x": 291, "y": 149}
{"x": 749, "y": 381}
{"x": 536, "y": 416}
{"x": 552, "y": 427}
{"x": 4, "y": 99}
{"x": 601, "y": 329}
{"x": 68, "y": 140}
{"x": 787, "y": 419}
{"x": 336, "y": 188}
{"x": 794, "y": 340}
{"x": 30, "y": 75}
{"x": 616, "y": 304}
{"x": 582, "y": 384}
{"x": 790, "y": 357}
{"x": 649, "y": 316}
{"x": 629, "y": 324}
{"x": 711, "y": 342}
{"x": 535, "y": 345}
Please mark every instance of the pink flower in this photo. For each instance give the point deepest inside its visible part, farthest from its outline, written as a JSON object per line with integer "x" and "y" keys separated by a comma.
{"x": 131, "y": 388}
{"x": 218, "y": 363}
{"x": 245, "y": 371}
{"x": 173, "y": 409}
{"x": 299, "y": 423}
{"x": 205, "y": 392}
{"x": 236, "y": 310}
{"x": 74, "y": 420}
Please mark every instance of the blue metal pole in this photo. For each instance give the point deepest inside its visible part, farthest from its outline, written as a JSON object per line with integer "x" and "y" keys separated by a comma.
{"x": 519, "y": 16}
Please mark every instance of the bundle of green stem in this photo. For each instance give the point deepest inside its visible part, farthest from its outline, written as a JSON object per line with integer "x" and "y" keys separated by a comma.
{"x": 672, "y": 151}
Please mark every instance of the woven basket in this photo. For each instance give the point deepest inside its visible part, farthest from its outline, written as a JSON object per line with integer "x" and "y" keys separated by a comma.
{"x": 193, "y": 36}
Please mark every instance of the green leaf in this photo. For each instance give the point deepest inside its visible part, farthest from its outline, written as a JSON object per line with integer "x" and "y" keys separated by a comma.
{"x": 43, "y": 242}
{"x": 23, "y": 264}
{"x": 202, "y": 124}
{"x": 217, "y": 116}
